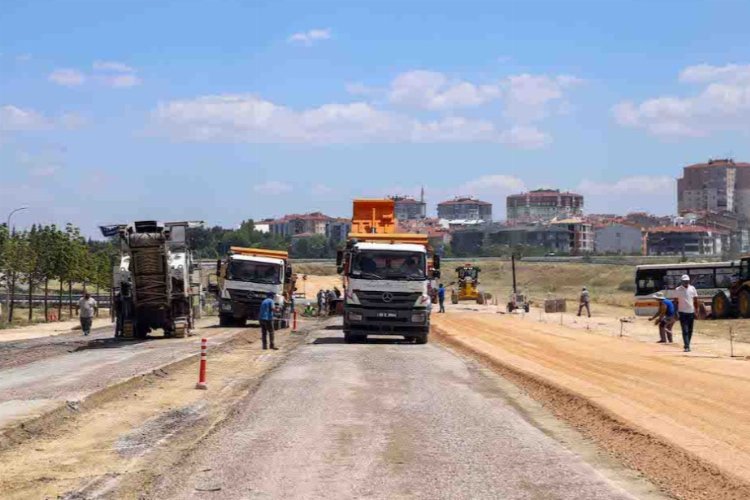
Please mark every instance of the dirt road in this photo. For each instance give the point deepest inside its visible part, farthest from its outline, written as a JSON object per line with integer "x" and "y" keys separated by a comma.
{"x": 390, "y": 420}
{"x": 695, "y": 402}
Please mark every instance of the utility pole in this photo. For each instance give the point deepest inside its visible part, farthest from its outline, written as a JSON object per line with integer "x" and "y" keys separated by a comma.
{"x": 7, "y": 278}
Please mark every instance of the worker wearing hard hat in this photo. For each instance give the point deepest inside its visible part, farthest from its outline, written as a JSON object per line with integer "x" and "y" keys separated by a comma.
{"x": 665, "y": 317}
{"x": 687, "y": 305}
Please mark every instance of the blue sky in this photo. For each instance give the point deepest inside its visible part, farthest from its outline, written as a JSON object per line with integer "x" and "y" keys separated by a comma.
{"x": 222, "y": 111}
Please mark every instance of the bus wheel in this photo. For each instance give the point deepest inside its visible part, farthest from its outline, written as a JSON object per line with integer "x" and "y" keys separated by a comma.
{"x": 743, "y": 303}
{"x": 720, "y": 306}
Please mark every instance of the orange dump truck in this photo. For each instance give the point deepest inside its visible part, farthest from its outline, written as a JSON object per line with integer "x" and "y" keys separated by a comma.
{"x": 246, "y": 276}
{"x": 387, "y": 276}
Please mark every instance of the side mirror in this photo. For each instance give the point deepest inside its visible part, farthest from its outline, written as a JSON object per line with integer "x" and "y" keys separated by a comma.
{"x": 436, "y": 262}
{"x": 339, "y": 258}
{"x": 288, "y": 273}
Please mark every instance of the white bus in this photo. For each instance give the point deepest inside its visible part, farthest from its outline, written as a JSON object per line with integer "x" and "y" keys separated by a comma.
{"x": 708, "y": 278}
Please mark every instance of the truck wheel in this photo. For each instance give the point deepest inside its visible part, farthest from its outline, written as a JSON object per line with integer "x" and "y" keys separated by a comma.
{"x": 510, "y": 308}
{"x": 240, "y": 322}
{"x": 225, "y": 320}
{"x": 526, "y": 308}
{"x": 349, "y": 338}
{"x": 743, "y": 303}
{"x": 720, "y": 306}
{"x": 422, "y": 339}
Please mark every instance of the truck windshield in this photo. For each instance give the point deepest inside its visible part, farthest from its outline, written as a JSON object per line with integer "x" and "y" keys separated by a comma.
{"x": 255, "y": 272}
{"x": 390, "y": 265}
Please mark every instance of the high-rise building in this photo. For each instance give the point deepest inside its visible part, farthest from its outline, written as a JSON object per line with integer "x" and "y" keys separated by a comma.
{"x": 465, "y": 208}
{"x": 543, "y": 205}
{"x": 720, "y": 185}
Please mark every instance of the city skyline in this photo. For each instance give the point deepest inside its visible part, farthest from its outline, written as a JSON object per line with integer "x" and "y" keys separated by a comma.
{"x": 248, "y": 112}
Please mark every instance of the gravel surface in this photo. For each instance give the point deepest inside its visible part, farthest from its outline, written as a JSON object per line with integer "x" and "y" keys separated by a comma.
{"x": 21, "y": 352}
{"x": 382, "y": 420}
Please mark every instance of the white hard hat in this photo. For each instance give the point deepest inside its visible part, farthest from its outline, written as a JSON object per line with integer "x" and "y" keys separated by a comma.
{"x": 685, "y": 277}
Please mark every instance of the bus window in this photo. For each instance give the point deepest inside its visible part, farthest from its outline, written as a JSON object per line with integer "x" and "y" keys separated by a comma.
{"x": 702, "y": 278}
{"x": 649, "y": 281}
{"x": 673, "y": 278}
{"x": 725, "y": 276}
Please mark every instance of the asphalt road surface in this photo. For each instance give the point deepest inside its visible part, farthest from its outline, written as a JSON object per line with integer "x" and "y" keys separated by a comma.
{"x": 384, "y": 420}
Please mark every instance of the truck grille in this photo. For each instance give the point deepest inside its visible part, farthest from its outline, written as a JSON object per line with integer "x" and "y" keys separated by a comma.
{"x": 247, "y": 296}
{"x": 389, "y": 300}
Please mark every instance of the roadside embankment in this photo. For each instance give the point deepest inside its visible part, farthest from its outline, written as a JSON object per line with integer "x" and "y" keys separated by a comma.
{"x": 681, "y": 419}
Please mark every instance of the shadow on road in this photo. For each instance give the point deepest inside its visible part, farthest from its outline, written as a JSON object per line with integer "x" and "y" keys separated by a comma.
{"x": 373, "y": 341}
{"x": 111, "y": 343}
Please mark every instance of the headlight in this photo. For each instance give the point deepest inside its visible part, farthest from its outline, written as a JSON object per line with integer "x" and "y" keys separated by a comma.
{"x": 355, "y": 316}
{"x": 226, "y": 306}
{"x": 418, "y": 318}
{"x": 422, "y": 301}
{"x": 351, "y": 298}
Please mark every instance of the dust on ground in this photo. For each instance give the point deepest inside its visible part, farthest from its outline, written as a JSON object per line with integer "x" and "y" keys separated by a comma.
{"x": 682, "y": 418}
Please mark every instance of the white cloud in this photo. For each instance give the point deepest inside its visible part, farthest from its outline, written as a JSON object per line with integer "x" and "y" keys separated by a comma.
{"x": 360, "y": 89}
{"x": 705, "y": 73}
{"x": 23, "y": 57}
{"x": 114, "y": 66}
{"x": 723, "y": 104}
{"x": 248, "y": 118}
{"x": 527, "y": 97}
{"x": 525, "y": 137}
{"x": 309, "y": 37}
{"x": 434, "y": 91}
{"x": 13, "y": 118}
{"x": 494, "y": 183}
{"x": 110, "y": 73}
{"x": 654, "y": 194}
{"x": 629, "y": 186}
{"x": 120, "y": 81}
{"x": 321, "y": 190}
{"x": 67, "y": 77}
{"x": 272, "y": 188}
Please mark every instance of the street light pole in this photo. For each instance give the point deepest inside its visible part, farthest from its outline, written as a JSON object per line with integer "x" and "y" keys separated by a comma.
{"x": 7, "y": 278}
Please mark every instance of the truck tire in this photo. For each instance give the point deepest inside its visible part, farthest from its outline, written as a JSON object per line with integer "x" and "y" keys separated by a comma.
{"x": 240, "y": 322}
{"x": 421, "y": 339}
{"x": 349, "y": 338}
{"x": 225, "y": 320}
{"x": 721, "y": 306}
{"x": 743, "y": 303}
{"x": 526, "y": 308}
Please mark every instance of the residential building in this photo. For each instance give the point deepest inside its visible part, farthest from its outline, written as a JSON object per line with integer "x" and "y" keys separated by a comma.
{"x": 543, "y": 205}
{"x": 686, "y": 240}
{"x": 580, "y": 235}
{"x": 407, "y": 208}
{"x": 338, "y": 229}
{"x": 264, "y": 226}
{"x": 465, "y": 208}
{"x": 290, "y": 225}
{"x": 550, "y": 238}
{"x": 719, "y": 185}
{"x": 618, "y": 238}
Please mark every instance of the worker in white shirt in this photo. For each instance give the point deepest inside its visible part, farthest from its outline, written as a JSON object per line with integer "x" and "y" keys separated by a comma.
{"x": 687, "y": 305}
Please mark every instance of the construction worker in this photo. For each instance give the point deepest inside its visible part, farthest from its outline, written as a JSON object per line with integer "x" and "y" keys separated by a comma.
{"x": 86, "y": 310}
{"x": 666, "y": 317}
{"x": 331, "y": 301}
{"x": 266, "y": 321}
{"x": 321, "y": 302}
{"x": 583, "y": 301}
{"x": 441, "y": 297}
{"x": 337, "y": 292}
{"x": 687, "y": 304}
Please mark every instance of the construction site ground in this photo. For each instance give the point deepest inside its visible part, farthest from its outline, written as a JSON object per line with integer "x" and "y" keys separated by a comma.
{"x": 681, "y": 418}
{"x": 497, "y": 405}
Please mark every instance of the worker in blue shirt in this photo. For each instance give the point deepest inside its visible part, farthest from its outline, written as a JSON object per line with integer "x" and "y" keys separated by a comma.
{"x": 441, "y": 297}
{"x": 266, "y": 321}
{"x": 665, "y": 317}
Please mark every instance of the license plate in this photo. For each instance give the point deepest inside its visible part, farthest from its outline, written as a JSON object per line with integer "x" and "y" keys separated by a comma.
{"x": 387, "y": 315}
